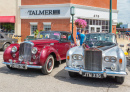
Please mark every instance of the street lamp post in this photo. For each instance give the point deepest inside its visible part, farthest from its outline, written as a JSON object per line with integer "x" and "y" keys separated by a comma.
{"x": 72, "y": 12}
{"x": 110, "y": 20}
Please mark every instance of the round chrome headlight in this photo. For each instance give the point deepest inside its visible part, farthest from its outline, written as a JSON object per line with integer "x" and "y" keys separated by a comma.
{"x": 113, "y": 59}
{"x": 107, "y": 59}
{"x": 14, "y": 49}
{"x": 34, "y": 50}
{"x": 80, "y": 57}
{"x": 74, "y": 57}
{"x": 21, "y": 58}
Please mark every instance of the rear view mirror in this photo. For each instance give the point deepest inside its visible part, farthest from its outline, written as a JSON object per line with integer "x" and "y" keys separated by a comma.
{"x": 121, "y": 45}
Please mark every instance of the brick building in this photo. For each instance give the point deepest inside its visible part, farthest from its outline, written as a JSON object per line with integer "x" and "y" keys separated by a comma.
{"x": 55, "y": 15}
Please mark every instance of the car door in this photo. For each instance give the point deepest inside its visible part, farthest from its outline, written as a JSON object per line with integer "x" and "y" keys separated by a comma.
{"x": 64, "y": 45}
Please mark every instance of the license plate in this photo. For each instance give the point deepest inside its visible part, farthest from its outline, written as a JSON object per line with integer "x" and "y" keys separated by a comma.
{"x": 19, "y": 66}
{"x": 93, "y": 75}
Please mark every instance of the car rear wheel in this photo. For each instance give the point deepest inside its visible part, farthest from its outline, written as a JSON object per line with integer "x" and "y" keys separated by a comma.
{"x": 72, "y": 74}
{"x": 5, "y": 46}
{"x": 120, "y": 79}
{"x": 48, "y": 66}
{"x": 10, "y": 67}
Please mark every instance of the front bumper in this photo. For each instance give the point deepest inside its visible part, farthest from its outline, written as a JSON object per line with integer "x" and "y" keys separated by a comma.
{"x": 105, "y": 73}
{"x": 26, "y": 66}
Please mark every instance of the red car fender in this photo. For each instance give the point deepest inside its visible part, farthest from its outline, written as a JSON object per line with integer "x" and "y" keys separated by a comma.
{"x": 8, "y": 53}
{"x": 46, "y": 51}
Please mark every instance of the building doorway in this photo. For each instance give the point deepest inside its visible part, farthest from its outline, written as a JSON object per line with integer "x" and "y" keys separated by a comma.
{"x": 94, "y": 29}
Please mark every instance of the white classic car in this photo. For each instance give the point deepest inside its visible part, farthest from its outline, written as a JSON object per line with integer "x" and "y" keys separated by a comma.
{"x": 98, "y": 57}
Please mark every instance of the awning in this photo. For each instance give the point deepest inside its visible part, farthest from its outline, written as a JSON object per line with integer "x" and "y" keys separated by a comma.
{"x": 7, "y": 19}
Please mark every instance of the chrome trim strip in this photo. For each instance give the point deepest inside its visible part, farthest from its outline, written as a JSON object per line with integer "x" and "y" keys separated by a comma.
{"x": 80, "y": 71}
{"x": 28, "y": 42}
{"x": 28, "y": 66}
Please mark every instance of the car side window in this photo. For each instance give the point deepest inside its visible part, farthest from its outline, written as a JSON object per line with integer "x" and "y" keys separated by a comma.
{"x": 64, "y": 37}
{"x": 1, "y": 36}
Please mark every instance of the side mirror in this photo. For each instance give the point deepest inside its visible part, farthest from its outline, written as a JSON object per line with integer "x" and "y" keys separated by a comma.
{"x": 121, "y": 45}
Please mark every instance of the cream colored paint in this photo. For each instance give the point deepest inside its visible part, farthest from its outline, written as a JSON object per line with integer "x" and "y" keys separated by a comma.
{"x": 11, "y": 8}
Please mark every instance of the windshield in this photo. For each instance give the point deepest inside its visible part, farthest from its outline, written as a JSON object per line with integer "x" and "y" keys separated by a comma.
{"x": 49, "y": 35}
{"x": 100, "y": 40}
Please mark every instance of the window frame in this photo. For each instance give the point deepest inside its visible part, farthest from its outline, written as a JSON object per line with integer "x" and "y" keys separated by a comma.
{"x": 32, "y": 24}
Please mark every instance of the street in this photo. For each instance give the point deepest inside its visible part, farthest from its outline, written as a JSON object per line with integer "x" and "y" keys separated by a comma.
{"x": 32, "y": 80}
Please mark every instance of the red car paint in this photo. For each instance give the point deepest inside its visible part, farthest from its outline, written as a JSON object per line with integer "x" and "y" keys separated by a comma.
{"x": 45, "y": 48}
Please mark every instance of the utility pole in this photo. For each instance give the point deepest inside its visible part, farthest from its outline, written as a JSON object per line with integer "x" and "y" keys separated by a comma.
{"x": 110, "y": 20}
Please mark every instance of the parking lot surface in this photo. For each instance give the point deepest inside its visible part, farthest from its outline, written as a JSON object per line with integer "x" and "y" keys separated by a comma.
{"x": 32, "y": 80}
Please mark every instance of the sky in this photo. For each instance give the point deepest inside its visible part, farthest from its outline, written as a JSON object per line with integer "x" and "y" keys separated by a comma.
{"x": 123, "y": 7}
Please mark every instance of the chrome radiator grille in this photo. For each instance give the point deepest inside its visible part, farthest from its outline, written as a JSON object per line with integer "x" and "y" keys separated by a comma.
{"x": 93, "y": 60}
{"x": 25, "y": 51}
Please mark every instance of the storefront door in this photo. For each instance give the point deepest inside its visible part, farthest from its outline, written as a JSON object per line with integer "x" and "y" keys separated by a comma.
{"x": 94, "y": 29}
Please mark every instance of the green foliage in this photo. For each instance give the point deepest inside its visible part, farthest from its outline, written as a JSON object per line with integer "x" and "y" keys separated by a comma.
{"x": 8, "y": 26}
{"x": 118, "y": 24}
{"x": 36, "y": 32}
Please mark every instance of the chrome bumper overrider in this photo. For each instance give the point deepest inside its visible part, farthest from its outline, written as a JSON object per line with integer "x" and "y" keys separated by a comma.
{"x": 26, "y": 66}
{"x": 105, "y": 73}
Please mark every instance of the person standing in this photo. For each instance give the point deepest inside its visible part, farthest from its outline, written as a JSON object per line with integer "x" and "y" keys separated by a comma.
{"x": 78, "y": 37}
{"x": 82, "y": 37}
{"x": 119, "y": 34}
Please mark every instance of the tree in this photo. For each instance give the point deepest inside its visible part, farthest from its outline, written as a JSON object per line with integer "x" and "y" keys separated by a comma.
{"x": 118, "y": 25}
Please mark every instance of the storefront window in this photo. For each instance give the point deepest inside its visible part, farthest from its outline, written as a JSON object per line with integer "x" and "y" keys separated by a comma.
{"x": 7, "y": 27}
{"x": 33, "y": 28}
{"x": 102, "y": 25}
{"x": 47, "y": 27}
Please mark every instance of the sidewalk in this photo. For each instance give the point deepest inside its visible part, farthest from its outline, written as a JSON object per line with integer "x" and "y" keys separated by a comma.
{"x": 124, "y": 42}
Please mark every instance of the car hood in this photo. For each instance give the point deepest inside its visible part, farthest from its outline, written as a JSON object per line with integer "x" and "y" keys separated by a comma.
{"x": 106, "y": 50}
{"x": 44, "y": 41}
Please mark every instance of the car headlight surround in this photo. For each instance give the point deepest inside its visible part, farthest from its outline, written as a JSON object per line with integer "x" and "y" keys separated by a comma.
{"x": 110, "y": 59}
{"x": 14, "y": 49}
{"x": 77, "y": 57}
{"x": 113, "y": 59}
{"x": 107, "y": 59}
{"x": 34, "y": 50}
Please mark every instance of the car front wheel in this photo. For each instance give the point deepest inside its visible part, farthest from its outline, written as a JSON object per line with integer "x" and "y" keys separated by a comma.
{"x": 48, "y": 66}
{"x": 120, "y": 79}
{"x": 5, "y": 46}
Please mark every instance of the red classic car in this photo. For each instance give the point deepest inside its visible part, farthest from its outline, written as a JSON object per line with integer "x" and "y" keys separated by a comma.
{"x": 42, "y": 53}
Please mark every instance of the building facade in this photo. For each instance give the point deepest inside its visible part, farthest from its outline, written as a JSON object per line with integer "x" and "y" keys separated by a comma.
{"x": 55, "y": 15}
{"x": 9, "y": 16}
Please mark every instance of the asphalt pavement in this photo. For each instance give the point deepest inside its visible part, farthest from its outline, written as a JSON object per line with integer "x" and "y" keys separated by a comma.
{"x": 32, "y": 80}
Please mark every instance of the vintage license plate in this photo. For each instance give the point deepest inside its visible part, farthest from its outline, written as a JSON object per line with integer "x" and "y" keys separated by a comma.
{"x": 93, "y": 75}
{"x": 19, "y": 66}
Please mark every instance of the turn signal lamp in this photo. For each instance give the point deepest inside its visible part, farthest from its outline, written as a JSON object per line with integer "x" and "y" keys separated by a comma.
{"x": 68, "y": 57}
{"x": 120, "y": 61}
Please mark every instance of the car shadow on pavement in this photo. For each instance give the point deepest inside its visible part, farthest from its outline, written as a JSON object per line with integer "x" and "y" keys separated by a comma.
{"x": 26, "y": 73}
{"x": 108, "y": 82}
{"x": 21, "y": 72}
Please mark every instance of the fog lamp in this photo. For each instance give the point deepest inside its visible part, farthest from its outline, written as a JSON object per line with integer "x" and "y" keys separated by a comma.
{"x": 21, "y": 58}
{"x": 34, "y": 57}
{"x": 14, "y": 55}
{"x": 113, "y": 67}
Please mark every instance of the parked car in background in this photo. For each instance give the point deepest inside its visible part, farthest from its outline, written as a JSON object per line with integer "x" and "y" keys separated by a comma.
{"x": 6, "y": 41}
{"x": 99, "y": 57}
{"x": 42, "y": 53}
